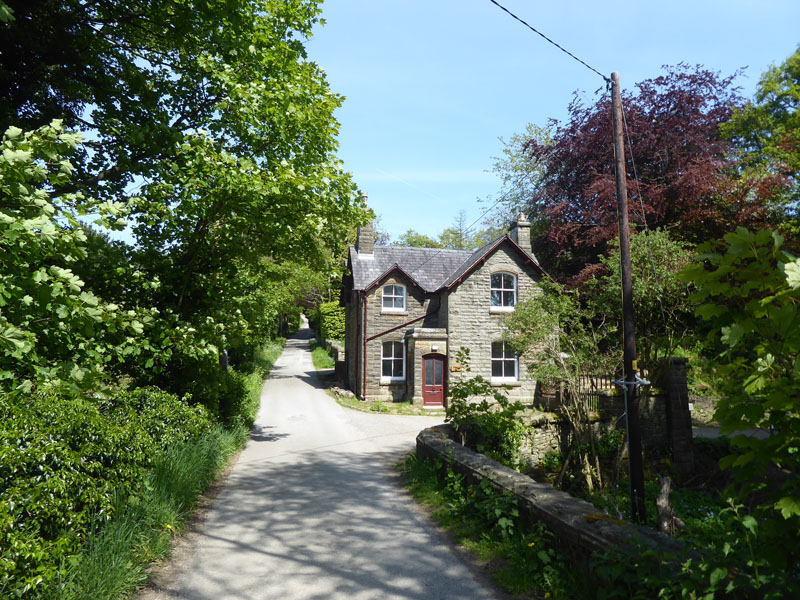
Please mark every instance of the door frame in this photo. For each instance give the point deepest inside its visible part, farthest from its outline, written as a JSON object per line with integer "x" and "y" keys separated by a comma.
{"x": 443, "y": 359}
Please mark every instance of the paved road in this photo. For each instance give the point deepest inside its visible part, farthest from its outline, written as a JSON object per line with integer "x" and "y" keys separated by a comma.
{"x": 311, "y": 511}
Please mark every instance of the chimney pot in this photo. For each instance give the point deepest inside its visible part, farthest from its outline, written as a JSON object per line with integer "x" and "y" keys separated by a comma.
{"x": 520, "y": 232}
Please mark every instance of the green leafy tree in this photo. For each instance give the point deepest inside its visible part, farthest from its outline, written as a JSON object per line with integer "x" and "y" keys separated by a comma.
{"x": 52, "y": 330}
{"x": 561, "y": 343}
{"x": 748, "y": 291}
{"x": 483, "y": 415}
{"x": 414, "y": 239}
{"x": 664, "y": 315}
{"x": 768, "y": 131}
{"x": 226, "y": 129}
{"x": 521, "y": 176}
{"x": 458, "y": 236}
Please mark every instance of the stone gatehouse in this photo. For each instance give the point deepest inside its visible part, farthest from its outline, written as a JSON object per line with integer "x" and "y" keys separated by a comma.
{"x": 409, "y": 310}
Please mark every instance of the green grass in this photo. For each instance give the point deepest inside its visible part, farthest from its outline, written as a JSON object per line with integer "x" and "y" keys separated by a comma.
{"x": 390, "y": 408}
{"x": 115, "y": 559}
{"x": 267, "y": 354}
{"x": 320, "y": 356}
{"x": 486, "y": 523}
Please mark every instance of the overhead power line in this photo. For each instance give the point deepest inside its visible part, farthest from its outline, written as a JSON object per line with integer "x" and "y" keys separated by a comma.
{"x": 564, "y": 50}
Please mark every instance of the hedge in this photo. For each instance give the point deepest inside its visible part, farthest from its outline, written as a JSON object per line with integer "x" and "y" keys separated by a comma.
{"x": 65, "y": 459}
{"x": 331, "y": 321}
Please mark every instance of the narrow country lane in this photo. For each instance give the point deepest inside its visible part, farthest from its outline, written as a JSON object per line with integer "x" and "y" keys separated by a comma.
{"x": 311, "y": 511}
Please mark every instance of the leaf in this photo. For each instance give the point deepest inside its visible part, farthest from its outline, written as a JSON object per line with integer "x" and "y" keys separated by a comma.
{"x": 709, "y": 311}
{"x": 792, "y": 271}
{"x": 749, "y": 523}
{"x": 718, "y": 575}
{"x": 12, "y": 133}
{"x": 732, "y": 335}
{"x": 789, "y": 507}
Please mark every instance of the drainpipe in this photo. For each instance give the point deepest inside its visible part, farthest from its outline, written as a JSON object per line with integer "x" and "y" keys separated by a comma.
{"x": 396, "y": 327}
{"x": 364, "y": 378}
{"x": 356, "y": 338}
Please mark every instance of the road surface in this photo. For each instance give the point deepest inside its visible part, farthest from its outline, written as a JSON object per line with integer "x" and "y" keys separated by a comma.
{"x": 312, "y": 511}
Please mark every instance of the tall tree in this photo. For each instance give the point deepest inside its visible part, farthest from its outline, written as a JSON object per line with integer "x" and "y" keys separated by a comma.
{"x": 226, "y": 130}
{"x": 414, "y": 239}
{"x": 687, "y": 179}
{"x": 664, "y": 315}
{"x": 768, "y": 132}
{"x": 214, "y": 106}
{"x": 458, "y": 236}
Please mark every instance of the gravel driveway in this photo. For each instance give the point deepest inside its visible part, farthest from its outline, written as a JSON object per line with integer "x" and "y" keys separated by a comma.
{"x": 311, "y": 509}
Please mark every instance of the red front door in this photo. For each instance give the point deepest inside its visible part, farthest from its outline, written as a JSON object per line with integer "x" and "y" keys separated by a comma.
{"x": 433, "y": 380}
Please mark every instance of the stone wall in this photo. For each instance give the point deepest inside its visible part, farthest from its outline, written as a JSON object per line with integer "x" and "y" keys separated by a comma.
{"x": 550, "y": 432}
{"x": 474, "y": 324}
{"x": 664, "y": 418}
{"x": 579, "y": 529}
{"x": 418, "y": 304}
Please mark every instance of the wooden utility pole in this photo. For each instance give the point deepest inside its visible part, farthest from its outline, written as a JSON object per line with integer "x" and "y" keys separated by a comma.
{"x": 630, "y": 385}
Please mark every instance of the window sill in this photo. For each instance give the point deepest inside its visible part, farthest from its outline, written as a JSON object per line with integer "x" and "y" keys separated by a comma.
{"x": 498, "y": 381}
{"x": 388, "y": 311}
{"x": 392, "y": 380}
{"x": 500, "y": 309}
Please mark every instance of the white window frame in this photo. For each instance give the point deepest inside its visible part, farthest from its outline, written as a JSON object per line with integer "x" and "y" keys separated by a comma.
{"x": 506, "y": 356}
{"x": 393, "y": 295}
{"x": 396, "y": 346}
{"x": 502, "y": 290}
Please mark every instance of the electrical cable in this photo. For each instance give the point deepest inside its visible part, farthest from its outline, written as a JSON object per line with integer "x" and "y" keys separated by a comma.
{"x": 564, "y": 50}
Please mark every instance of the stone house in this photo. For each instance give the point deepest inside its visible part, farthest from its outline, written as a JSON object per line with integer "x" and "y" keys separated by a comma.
{"x": 409, "y": 310}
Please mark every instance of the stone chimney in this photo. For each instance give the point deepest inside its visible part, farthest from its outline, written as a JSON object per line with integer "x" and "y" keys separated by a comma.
{"x": 520, "y": 232}
{"x": 365, "y": 240}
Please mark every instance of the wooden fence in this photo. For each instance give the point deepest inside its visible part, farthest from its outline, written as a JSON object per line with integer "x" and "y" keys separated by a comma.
{"x": 593, "y": 388}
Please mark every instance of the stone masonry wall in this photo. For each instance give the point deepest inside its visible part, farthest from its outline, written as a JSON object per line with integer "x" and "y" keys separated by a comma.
{"x": 351, "y": 348}
{"x": 579, "y": 529}
{"x": 418, "y": 304}
{"x": 548, "y": 431}
{"x": 473, "y": 324}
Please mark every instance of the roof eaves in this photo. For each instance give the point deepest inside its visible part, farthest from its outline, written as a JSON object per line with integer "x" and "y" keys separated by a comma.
{"x": 395, "y": 267}
{"x": 480, "y": 256}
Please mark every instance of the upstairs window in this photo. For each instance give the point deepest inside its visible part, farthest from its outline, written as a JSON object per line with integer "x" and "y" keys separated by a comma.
{"x": 504, "y": 362}
{"x": 503, "y": 290}
{"x": 393, "y": 361}
{"x": 394, "y": 298}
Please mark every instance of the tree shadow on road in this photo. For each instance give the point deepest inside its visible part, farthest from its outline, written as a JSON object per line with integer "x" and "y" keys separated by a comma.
{"x": 324, "y": 524}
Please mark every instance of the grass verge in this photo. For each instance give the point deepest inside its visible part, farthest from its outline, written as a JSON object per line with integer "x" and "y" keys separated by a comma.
{"x": 390, "y": 408}
{"x": 117, "y": 554}
{"x": 320, "y": 356}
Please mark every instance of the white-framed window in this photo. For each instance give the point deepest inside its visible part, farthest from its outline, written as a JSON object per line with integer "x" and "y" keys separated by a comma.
{"x": 393, "y": 360}
{"x": 394, "y": 297}
{"x": 503, "y": 290}
{"x": 504, "y": 362}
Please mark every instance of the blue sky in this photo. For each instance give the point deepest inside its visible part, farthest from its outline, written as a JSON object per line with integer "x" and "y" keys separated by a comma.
{"x": 431, "y": 85}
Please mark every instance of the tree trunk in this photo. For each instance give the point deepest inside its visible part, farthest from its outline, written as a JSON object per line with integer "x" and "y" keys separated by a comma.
{"x": 666, "y": 517}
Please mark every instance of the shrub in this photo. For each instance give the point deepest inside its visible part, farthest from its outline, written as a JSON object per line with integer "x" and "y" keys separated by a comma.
{"x": 331, "y": 321}
{"x": 65, "y": 458}
{"x": 484, "y": 416}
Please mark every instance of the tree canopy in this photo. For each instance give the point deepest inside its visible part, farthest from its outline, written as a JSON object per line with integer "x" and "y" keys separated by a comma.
{"x": 686, "y": 178}
{"x": 767, "y": 130}
{"x": 459, "y": 236}
{"x": 205, "y": 127}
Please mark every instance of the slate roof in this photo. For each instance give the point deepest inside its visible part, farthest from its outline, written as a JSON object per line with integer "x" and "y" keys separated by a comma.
{"x": 428, "y": 267}
{"x": 485, "y": 250}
